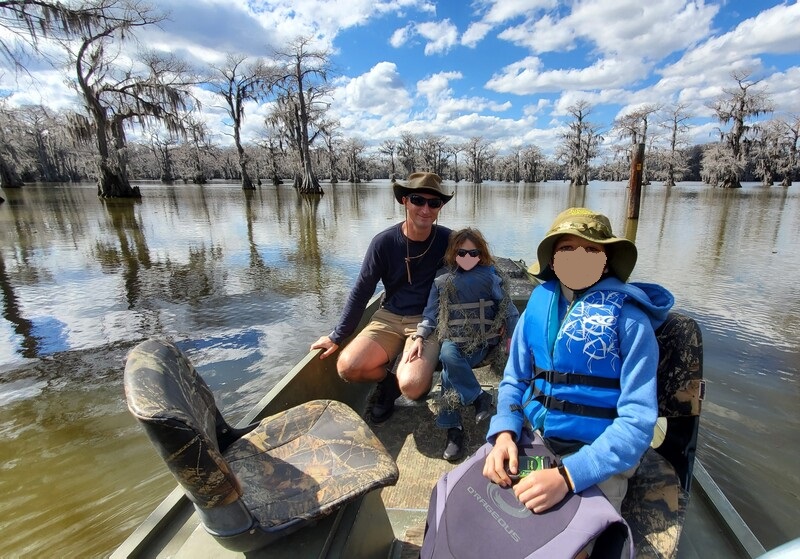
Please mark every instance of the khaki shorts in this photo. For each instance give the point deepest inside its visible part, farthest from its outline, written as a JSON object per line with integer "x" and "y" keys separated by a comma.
{"x": 615, "y": 487}
{"x": 391, "y": 332}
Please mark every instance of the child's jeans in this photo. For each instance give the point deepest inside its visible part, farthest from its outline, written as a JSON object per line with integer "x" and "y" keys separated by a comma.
{"x": 457, "y": 375}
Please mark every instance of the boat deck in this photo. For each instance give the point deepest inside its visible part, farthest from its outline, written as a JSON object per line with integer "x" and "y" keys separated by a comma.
{"x": 415, "y": 442}
{"x": 413, "y": 439}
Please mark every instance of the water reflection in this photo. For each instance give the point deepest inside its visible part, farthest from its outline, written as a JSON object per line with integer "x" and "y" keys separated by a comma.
{"x": 23, "y": 327}
{"x": 130, "y": 253}
{"x": 244, "y": 281}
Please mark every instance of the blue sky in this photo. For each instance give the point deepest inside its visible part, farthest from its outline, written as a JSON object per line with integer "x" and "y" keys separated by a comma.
{"x": 503, "y": 70}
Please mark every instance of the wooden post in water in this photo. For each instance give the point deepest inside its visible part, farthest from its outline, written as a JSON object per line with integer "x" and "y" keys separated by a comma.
{"x": 635, "y": 182}
{"x": 631, "y": 227}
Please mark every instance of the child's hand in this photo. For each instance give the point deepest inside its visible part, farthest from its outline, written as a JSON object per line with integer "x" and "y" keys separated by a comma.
{"x": 503, "y": 458}
{"x": 541, "y": 490}
{"x": 416, "y": 350}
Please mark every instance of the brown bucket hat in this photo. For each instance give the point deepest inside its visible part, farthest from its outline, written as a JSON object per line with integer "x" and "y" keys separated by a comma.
{"x": 592, "y": 226}
{"x": 430, "y": 183}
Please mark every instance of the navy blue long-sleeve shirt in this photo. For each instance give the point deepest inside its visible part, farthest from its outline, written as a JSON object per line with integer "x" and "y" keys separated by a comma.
{"x": 385, "y": 262}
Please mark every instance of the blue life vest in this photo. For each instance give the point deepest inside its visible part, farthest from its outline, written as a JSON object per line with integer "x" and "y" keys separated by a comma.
{"x": 576, "y": 363}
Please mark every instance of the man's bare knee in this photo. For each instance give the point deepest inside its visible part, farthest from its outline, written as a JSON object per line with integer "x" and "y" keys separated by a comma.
{"x": 347, "y": 372}
{"x": 413, "y": 392}
{"x": 356, "y": 372}
{"x": 414, "y": 388}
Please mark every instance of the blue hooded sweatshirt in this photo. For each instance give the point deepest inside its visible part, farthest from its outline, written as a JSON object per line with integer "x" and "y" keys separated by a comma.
{"x": 554, "y": 335}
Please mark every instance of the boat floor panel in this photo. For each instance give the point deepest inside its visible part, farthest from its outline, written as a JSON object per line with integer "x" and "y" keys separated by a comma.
{"x": 409, "y": 527}
{"x": 412, "y": 438}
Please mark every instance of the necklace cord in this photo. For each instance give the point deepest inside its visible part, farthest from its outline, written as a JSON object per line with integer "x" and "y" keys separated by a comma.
{"x": 409, "y": 258}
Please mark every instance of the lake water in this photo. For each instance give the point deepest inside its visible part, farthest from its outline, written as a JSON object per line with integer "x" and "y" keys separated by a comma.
{"x": 244, "y": 282}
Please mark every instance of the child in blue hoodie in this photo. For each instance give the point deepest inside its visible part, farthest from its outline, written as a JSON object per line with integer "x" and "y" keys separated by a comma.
{"x": 582, "y": 366}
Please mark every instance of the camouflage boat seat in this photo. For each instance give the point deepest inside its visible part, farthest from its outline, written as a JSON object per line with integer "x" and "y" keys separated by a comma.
{"x": 658, "y": 494}
{"x": 254, "y": 485}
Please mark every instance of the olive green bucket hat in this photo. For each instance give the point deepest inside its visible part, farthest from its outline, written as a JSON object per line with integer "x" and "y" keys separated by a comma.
{"x": 592, "y": 226}
{"x": 430, "y": 183}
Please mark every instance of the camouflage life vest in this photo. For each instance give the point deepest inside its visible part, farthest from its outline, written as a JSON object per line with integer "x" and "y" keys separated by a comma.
{"x": 476, "y": 323}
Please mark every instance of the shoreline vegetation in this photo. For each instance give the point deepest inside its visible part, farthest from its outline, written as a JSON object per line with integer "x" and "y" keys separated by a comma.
{"x": 300, "y": 139}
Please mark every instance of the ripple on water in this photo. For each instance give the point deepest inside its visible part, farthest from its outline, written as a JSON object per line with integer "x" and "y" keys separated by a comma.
{"x": 22, "y": 389}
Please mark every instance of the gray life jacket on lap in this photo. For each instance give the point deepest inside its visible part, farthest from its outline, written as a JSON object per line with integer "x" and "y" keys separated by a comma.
{"x": 471, "y": 517}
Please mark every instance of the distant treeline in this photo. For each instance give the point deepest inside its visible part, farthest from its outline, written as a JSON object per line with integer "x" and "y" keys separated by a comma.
{"x": 155, "y": 97}
{"x": 38, "y": 147}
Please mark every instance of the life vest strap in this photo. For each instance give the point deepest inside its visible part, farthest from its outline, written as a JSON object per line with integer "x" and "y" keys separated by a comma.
{"x": 478, "y": 320}
{"x": 557, "y": 404}
{"x": 481, "y": 304}
{"x": 554, "y": 377}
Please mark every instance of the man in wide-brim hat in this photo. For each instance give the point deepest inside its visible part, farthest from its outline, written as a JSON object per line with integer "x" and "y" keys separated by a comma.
{"x": 405, "y": 258}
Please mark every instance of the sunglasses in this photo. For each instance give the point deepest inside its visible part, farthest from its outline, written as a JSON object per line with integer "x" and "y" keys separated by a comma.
{"x": 418, "y": 200}
{"x": 473, "y": 252}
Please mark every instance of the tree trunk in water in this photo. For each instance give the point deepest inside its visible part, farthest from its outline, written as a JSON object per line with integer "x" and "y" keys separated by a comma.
{"x": 8, "y": 176}
{"x": 309, "y": 183}
{"x": 113, "y": 180}
{"x": 166, "y": 172}
{"x": 579, "y": 180}
{"x": 670, "y": 178}
{"x": 730, "y": 182}
{"x": 247, "y": 182}
{"x": 115, "y": 185}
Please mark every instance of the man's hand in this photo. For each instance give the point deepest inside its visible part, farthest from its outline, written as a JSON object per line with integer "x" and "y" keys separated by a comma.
{"x": 325, "y": 343}
{"x": 541, "y": 490}
{"x": 503, "y": 452}
{"x": 416, "y": 350}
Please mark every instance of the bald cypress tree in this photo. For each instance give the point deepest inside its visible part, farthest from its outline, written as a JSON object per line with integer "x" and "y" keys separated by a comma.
{"x": 736, "y": 108}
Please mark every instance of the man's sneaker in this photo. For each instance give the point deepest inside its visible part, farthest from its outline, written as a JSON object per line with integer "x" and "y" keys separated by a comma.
{"x": 386, "y": 393}
{"x": 483, "y": 406}
{"x": 455, "y": 444}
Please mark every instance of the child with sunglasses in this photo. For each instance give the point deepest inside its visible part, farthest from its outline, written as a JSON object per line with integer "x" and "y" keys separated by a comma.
{"x": 471, "y": 311}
